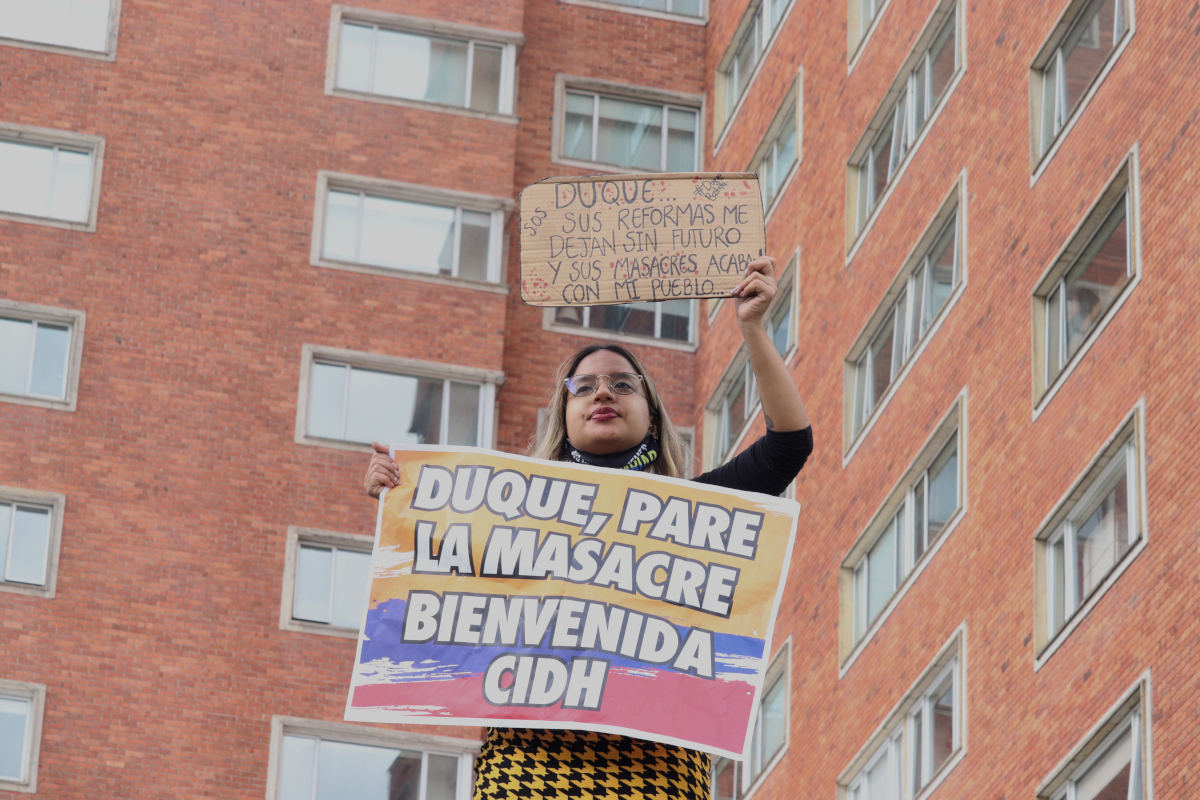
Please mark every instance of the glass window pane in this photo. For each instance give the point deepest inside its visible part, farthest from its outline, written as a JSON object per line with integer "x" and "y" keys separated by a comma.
{"x": 1053, "y": 334}
{"x": 881, "y": 781}
{"x": 568, "y": 315}
{"x": 774, "y": 714}
{"x": 631, "y": 318}
{"x": 353, "y": 771}
{"x": 1097, "y": 278}
{"x": 1100, "y": 540}
{"x": 485, "y": 78}
{"x": 943, "y": 726}
{"x": 1049, "y": 101}
{"x": 781, "y": 325}
{"x": 899, "y": 348}
{"x": 676, "y": 316}
{"x": 420, "y": 67}
{"x": 630, "y": 134}
{"x": 5, "y": 526}
{"x": 881, "y": 156}
{"x": 441, "y": 779}
{"x": 29, "y": 546}
{"x": 314, "y": 577}
{"x": 786, "y": 141}
{"x": 920, "y": 102}
{"x": 405, "y": 776}
{"x": 919, "y": 532}
{"x": 72, "y": 180}
{"x": 354, "y": 58}
{"x": 860, "y": 392}
{"x": 403, "y": 235}
{"x": 743, "y": 66}
{"x": 919, "y": 306}
{"x": 943, "y": 488}
{"x": 327, "y": 400}
{"x": 881, "y": 572}
{"x": 725, "y": 784}
{"x": 296, "y": 759}
{"x": 16, "y": 350}
{"x": 13, "y": 724}
{"x": 70, "y": 23}
{"x": 942, "y": 277}
{"x": 464, "y": 415}
{"x": 473, "y": 248}
{"x": 577, "y": 126}
{"x": 1085, "y": 49}
{"x": 681, "y": 140}
{"x": 1059, "y": 576}
{"x": 881, "y": 358}
{"x": 941, "y": 59}
{"x": 1109, "y": 776}
{"x": 350, "y": 575}
{"x": 381, "y": 407}
{"x": 735, "y": 412}
{"x": 52, "y": 344}
{"x": 25, "y": 172}
{"x": 341, "y": 226}
{"x": 691, "y": 8}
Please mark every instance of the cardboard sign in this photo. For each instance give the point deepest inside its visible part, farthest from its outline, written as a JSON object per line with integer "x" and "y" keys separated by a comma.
{"x": 513, "y": 592}
{"x": 606, "y": 239}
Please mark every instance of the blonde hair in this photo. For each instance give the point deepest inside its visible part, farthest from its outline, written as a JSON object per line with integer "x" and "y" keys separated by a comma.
{"x": 553, "y": 435}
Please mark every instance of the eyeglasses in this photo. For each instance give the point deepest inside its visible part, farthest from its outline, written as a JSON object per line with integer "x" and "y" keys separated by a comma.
{"x": 618, "y": 382}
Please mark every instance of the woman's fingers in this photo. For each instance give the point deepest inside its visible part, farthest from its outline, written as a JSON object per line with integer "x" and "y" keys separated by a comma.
{"x": 761, "y": 268}
{"x": 382, "y": 471}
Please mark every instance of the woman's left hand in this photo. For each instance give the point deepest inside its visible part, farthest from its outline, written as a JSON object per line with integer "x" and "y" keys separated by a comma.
{"x": 756, "y": 291}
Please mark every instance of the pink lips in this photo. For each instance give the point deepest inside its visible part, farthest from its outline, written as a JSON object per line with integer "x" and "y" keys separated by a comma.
{"x": 603, "y": 413}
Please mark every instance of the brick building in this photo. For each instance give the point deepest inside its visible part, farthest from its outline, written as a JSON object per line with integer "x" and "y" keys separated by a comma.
{"x": 229, "y": 232}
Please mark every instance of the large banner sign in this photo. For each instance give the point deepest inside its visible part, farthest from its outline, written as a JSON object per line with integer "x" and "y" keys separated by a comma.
{"x": 604, "y": 239}
{"x": 509, "y": 591}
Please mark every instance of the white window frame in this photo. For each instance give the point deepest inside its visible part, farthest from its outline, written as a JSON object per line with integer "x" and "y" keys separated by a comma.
{"x": 487, "y": 379}
{"x": 1125, "y": 448}
{"x": 1039, "y": 158}
{"x": 74, "y": 320}
{"x": 750, "y": 778}
{"x": 789, "y": 292}
{"x": 645, "y": 12}
{"x": 67, "y": 140}
{"x": 550, "y": 324}
{"x": 907, "y": 137}
{"x": 716, "y": 419}
{"x": 1134, "y": 708}
{"x": 954, "y": 205}
{"x": 500, "y": 208}
{"x": 755, "y": 24}
{"x": 793, "y": 107}
{"x": 35, "y": 693}
{"x": 855, "y": 630}
{"x": 1126, "y": 183}
{"x": 858, "y": 34}
{"x": 688, "y": 435}
{"x": 297, "y": 536}
{"x": 465, "y": 749}
{"x": 620, "y": 91}
{"x": 109, "y": 53}
{"x": 894, "y": 734}
{"x": 54, "y": 503}
{"x": 511, "y": 41}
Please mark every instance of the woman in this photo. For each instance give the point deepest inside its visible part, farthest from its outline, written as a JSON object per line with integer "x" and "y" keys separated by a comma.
{"x": 605, "y": 412}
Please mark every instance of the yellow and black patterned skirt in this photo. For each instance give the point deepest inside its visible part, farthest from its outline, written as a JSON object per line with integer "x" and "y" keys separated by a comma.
{"x": 548, "y": 765}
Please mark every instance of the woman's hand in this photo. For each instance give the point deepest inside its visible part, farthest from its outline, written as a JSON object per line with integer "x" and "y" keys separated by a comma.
{"x": 382, "y": 472}
{"x": 754, "y": 294}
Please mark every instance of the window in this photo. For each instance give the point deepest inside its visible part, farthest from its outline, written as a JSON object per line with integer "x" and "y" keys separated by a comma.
{"x": 911, "y": 307}
{"x": 1113, "y": 761}
{"x": 912, "y": 101}
{"x": 780, "y": 319}
{"x": 925, "y": 505}
{"x": 779, "y": 153}
{"x": 751, "y": 41}
{"x": 58, "y": 25}
{"x": 30, "y": 532}
{"x": 39, "y": 354}
{"x": 733, "y": 405}
{"x": 628, "y": 133}
{"x": 666, "y": 320}
{"x": 358, "y": 398}
{"x": 684, "y": 8}
{"x": 921, "y": 739}
{"x": 21, "y": 708}
{"x": 1071, "y": 63}
{"x": 1092, "y": 534}
{"x": 862, "y": 16}
{"x": 1086, "y": 283}
{"x": 49, "y": 176}
{"x": 324, "y": 760}
{"x": 409, "y": 230}
{"x": 325, "y": 581}
{"x": 731, "y": 780}
{"x": 418, "y": 62}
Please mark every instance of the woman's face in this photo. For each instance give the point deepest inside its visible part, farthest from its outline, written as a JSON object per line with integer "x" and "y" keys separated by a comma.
{"x": 605, "y": 422}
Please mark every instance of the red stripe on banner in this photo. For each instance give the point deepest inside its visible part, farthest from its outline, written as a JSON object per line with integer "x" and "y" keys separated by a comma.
{"x": 709, "y": 712}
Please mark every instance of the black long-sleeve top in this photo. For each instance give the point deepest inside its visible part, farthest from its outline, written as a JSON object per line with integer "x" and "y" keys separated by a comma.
{"x": 767, "y": 466}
